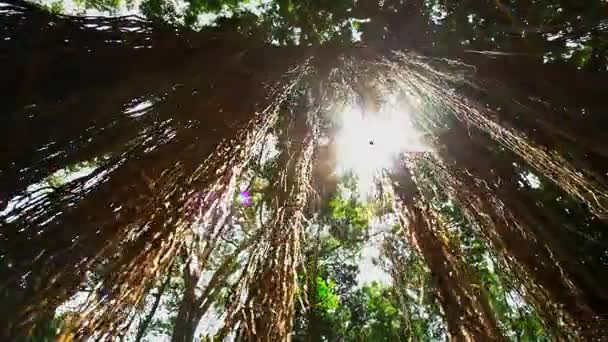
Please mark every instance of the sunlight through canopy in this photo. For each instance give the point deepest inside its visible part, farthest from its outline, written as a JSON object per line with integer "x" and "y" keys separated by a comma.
{"x": 368, "y": 142}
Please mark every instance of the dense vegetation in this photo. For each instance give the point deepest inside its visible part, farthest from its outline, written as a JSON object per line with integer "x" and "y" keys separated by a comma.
{"x": 180, "y": 173}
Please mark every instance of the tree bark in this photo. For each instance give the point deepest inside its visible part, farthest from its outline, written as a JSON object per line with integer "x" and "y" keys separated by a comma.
{"x": 187, "y": 314}
{"x": 152, "y": 158}
{"x": 529, "y": 233}
{"x": 468, "y": 313}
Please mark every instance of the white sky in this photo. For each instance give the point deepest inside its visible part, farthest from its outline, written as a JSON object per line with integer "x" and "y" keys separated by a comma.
{"x": 368, "y": 272}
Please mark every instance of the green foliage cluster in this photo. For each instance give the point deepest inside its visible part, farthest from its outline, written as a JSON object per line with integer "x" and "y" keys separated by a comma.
{"x": 327, "y": 299}
{"x": 373, "y": 315}
{"x": 349, "y": 218}
{"x": 558, "y": 30}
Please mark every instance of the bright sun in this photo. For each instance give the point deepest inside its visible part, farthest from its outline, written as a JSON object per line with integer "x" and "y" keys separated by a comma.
{"x": 368, "y": 142}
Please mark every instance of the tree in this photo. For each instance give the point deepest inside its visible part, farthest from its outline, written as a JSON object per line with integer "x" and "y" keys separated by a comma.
{"x": 167, "y": 122}
{"x": 338, "y": 232}
{"x": 468, "y": 313}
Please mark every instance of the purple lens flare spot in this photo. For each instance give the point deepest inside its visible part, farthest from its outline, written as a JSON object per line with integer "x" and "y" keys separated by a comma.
{"x": 245, "y": 198}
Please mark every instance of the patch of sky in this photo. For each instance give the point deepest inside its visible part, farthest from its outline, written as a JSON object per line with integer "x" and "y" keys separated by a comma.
{"x": 530, "y": 179}
{"x": 516, "y": 301}
{"x": 355, "y": 30}
{"x": 470, "y": 18}
{"x": 139, "y": 108}
{"x": 37, "y": 191}
{"x": 438, "y": 13}
{"x": 369, "y": 270}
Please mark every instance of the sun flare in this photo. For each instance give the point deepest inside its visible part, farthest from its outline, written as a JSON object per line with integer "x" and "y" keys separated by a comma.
{"x": 367, "y": 143}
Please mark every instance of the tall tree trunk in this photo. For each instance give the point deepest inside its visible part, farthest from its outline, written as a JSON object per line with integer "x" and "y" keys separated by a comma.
{"x": 535, "y": 237}
{"x": 467, "y": 311}
{"x": 188, "y": 313}
{"x": 270, "y": 280}
{"x": 149, "y": 159}
{"x": 557, "y": 101}
{"x": 193, "y": 308}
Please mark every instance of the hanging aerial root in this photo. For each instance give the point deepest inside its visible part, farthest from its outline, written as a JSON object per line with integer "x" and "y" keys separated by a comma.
{"x": 538, "y": 262}
{"x": 204, "y": 205}
{"x": 435, "y": 88}
{"x": 467, "y": 312}
{"x": 134, "y": 227}
{"x": 264, "y": 307}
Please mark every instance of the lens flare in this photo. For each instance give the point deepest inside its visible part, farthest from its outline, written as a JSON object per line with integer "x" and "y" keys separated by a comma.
{"x": 367, "y": 143}
{"x": 245, "y": 198}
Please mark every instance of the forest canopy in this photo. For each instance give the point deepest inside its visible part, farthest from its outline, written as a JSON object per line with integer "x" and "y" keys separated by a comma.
{"x": 274, "y": 170}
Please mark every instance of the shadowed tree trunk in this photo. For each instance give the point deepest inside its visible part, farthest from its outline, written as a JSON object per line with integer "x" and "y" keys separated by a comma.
{"x": 188, "y": 314}
{"x": 467, "y": 311}
{"x": 531, "y": 234}
{"x": 192, "y": 307}
{"x": 557, "y": 105}
{"x": 269, "y": 281}
{"x": 150, "y": 157}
